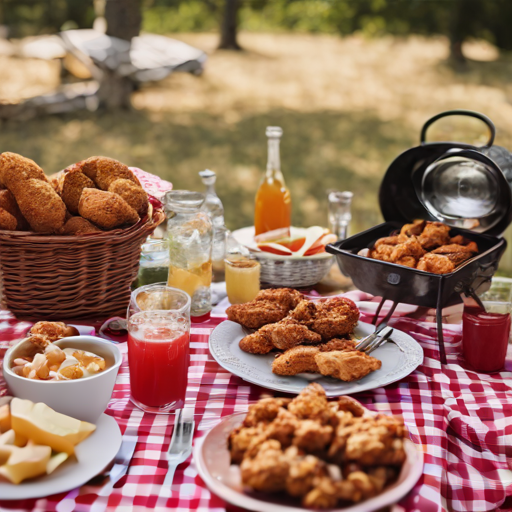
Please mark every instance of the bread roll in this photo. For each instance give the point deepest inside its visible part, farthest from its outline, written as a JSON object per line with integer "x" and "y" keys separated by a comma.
{"x": 133, "y": 194}
{"x": 103, "y": 171}
{"x": 71, "y": 185}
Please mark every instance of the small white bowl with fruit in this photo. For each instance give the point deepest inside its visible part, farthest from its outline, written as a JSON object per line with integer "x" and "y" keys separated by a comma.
{"x": 72, "y": 375}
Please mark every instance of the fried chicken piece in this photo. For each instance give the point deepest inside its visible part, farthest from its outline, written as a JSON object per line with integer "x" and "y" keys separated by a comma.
{"x": 407, "y": 261}
{"x": 335, "y": 318}
{"x": 303, "y": 472}
{"x": 346, "y": 366}
{"x": 269, "y": 306}
{"x": 132, "y": 193}
{"x": 414, "y": 229}
{"x": 323, "y": 495}
{"x": 53, "y": 331}
{"x": 265, "y": 410}
{"x": 347, "y": 403}
{"x": 434, "y": 235}
{"x": 268, "y": 470}
{"x": 305, "y": 312}
{"x": 7, "y": 221}
{"x": 71, "y": 185}
{"x": 457, "y": 253}
{"x": 301, "y": 359}
{"x": 242, "y": 439}
{"x": 78, "y": 226}
{"x": 289, "y": 333}
{"x": 311, "y": 404}
{"x": 105, "y": 209}
{"x": 282, "y": 428}
{"x": 311, "y": 436}
{"x": 104, "y": 171}
{"x": 390, "y": 240}
{"x": 8, "y": 204}
{"x": 436, "y": 264}
{"x": 409, "y": 248}
{"x": 259, "y": 342}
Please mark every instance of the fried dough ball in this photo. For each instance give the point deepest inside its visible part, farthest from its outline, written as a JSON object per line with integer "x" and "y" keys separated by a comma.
{"x": 346, "y": 366}
{"x": 72, "y": 184}
{"x": 103, "y": 171}
{"x": 133, "y": 194}
{"x": 79, "y": 226}
{"x": 41, "y": 206}
{"x": 8, "y": 203}
{"x": 105, "y": 209}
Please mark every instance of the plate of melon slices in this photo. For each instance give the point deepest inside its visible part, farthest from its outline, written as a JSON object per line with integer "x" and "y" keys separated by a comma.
{"x": 43, "y": 452}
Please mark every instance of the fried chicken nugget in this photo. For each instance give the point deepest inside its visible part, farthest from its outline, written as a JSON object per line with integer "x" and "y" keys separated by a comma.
{"x": 346, "y": 366}
{"x": 269, "y": 306}
{"x": 311, "y": 404}
{"x": 71, "y": 185}
{"x": 301, "y": 359}
{"x": 133, "y": 194}
{"x": 335, "y": 318}
{"x": 265, "y": 410}
{"x": 289, "y": 333}
{"x": 304, "y": 471}
{"x": 53, "y": 331}
{"x": 78, "y": 226}
{"x": 103, "y": 171}
{"x": 105, "y": 209}
{"x": 435, "y": 263}
{"x": 8, "y": 203}
{"x": 259, "y": 342}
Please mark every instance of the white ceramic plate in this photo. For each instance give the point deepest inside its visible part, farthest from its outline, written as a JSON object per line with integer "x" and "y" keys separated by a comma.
{"x": 399, "y": 358}
{"x": 213, "y": 465}
{"x": 92, "y": 456}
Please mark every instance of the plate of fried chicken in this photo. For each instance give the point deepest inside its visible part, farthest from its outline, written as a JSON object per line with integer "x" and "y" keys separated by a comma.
{"x": 286, "y": 455}
{"x": 283, "y": 341}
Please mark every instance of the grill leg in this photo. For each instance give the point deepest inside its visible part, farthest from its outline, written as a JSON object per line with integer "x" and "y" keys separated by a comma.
{"x": 377, "y": 313}
{"x": 440, "y": 338}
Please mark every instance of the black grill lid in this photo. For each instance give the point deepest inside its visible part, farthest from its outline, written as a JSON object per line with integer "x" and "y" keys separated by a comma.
{"x": 451, "y": 182}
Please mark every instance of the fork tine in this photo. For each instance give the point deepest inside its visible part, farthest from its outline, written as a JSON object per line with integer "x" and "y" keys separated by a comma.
{"x": 379, "y": 341}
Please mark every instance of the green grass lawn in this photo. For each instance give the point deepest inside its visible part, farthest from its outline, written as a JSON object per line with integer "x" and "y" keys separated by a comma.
{"x": 348, "y": 107}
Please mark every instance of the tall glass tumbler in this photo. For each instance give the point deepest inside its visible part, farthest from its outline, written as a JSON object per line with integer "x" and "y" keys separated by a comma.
{"x": 158, "y": 347}
{"x": 340, "y": 213}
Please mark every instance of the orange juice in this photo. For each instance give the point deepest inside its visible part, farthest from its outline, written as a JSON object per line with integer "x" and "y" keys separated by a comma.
{"x": 242, "y": 280}
{"x": 273, "y": 204}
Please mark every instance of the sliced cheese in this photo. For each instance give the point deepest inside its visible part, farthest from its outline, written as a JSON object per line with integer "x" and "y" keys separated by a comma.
{"x": 26, "y": 463}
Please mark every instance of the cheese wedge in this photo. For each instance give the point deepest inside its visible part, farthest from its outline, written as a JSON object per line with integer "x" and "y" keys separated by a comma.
{"x": 44, "y": 426}
{"x": 26, "y": 463}
{"x": 5, "y": 418}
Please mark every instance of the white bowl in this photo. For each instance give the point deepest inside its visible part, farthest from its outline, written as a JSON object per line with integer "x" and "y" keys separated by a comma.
{"x": 84, "y": 399}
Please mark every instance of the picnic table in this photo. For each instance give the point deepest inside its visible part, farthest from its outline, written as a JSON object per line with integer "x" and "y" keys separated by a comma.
{"x": 460, "y": 419}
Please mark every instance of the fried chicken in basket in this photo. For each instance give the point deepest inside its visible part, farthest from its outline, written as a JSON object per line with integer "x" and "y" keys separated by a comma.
{"x": 425, "y": 246}
{"x": 268, "y": 307}
{"x": 322, "y": 453}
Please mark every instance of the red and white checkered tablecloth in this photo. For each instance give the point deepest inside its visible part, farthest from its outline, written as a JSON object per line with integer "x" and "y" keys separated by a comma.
{"x": 461, "y": 420}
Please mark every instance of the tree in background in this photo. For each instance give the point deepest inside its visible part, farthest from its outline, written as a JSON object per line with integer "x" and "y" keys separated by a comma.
{"x": 229, "y": 25}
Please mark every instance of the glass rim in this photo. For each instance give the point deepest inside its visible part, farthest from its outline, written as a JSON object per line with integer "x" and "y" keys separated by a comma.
{"x": 177, "y": 291}
{"x": 232, "y": 263}
{"x": 336, "y": 196}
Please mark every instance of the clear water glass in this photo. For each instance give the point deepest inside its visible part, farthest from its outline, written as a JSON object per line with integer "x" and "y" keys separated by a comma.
{"x": 340, "y": 213}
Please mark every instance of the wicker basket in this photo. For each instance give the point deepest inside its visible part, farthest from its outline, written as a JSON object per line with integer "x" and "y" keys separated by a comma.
{"x": 47, "y": 277}
{"x": 293, "y": 273}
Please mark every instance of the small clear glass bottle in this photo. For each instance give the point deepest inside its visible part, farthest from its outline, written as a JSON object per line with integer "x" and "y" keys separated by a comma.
{"x": 340, "y": 213}
{"x": 213, "y": 205}
{"x": 189, "y": 232}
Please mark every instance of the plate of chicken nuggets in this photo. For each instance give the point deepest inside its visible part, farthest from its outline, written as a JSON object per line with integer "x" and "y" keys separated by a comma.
{"x": 283, "y": 341}
{"x": 286, "y": 455}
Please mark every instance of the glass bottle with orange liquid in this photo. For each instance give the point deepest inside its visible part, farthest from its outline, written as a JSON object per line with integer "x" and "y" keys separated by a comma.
{"x": 273, "y": 203}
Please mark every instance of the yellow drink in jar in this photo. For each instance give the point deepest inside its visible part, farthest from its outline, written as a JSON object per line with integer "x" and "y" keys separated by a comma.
{"x": 242, "y": 279}
{"x": 191, "y": 279}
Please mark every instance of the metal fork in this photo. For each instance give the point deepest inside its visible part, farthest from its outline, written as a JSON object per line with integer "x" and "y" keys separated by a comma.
{"x": 180, "y": 447}
{"x": 374, "y": 340}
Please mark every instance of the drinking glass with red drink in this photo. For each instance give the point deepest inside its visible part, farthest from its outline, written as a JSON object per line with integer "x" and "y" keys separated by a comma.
{"x": 158, "y": 347}
{"x": 485, "y": 335}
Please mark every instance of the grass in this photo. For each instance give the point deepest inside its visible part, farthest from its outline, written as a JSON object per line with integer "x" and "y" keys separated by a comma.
{"x": 347, "y": 108}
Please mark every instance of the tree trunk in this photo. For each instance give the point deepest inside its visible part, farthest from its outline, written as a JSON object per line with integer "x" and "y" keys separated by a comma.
{"x": 123, "y": 21}
{"x": 229, "y": 26}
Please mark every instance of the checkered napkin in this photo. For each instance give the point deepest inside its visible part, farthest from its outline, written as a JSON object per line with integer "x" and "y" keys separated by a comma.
{"x": 461, "y": 420}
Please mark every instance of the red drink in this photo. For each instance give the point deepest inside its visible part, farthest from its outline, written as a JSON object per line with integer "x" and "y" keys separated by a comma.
{"x": 159, "y": 358}
{"x": 485, "y": 338}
